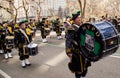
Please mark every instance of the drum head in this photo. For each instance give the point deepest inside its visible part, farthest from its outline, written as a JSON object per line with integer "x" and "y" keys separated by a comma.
{"x": 90, "y": 42}
{"x": 32, "y": 45}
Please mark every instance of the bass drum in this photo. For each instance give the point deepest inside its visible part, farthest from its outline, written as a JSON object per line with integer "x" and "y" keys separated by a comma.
{"x": 98, "y": 40}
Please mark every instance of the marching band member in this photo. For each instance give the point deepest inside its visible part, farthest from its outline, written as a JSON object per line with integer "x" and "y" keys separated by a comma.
{"x": 57, "y": 28}
{"x": 78, "y": 64}
{"x": 8, "y": 31}
{"x": 42, "y": 29}
{"x": 21, "y": 40}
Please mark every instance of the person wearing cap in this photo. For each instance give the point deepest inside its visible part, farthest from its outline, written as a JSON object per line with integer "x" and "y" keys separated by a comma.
{"x": 21, "y": 40}
{"x": 42, "y": 29}
{"x": 9, "y": 34}
{"x": 57, "y": 28}
{"x": 7, "y": 31}
{"x": 78, "y": 64}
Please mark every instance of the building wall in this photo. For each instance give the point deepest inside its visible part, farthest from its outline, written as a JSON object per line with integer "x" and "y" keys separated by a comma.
{"x": 48, "y": 4}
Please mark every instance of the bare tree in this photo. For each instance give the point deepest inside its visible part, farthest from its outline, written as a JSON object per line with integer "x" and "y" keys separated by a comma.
{"x": 7, "y": 9}
{"x": 39, "y": 8}
{"x": 82, "y": 5}
{"x": 115, "y": 6}
{"x": 25, "y": 7}
{"x": 92, "y": 7}
{"x": 16, "y": 11}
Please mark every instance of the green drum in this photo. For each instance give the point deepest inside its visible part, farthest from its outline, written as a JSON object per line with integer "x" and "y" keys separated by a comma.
{"x": 97, "y": 40}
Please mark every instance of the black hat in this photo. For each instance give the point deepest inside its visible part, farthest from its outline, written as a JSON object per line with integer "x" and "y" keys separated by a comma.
{"x": 44, "y": 19}
{"x": 74, "y": 16}
{"x": 23, "y": 21}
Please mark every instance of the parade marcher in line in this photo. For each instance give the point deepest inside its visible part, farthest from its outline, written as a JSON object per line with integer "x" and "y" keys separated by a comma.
{"x": 78, "y": 64}
{"x": 21, "y": 40}
{"x": 42, "y": 29}
{"x": 8, "y": 31}
{"x": 57, "y": 28}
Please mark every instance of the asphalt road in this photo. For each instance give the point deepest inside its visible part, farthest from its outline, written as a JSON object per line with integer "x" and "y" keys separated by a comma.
{"x": 51, "y": 62}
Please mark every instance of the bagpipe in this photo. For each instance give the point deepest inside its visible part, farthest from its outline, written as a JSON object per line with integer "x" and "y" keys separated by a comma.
{"x": 98, "y": 40}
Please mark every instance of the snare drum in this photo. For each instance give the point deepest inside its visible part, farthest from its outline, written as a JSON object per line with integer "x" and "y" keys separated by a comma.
{"x": 32, "y": 49}
{"x": 97, "y": 40}
{"x": 9, "y": 41}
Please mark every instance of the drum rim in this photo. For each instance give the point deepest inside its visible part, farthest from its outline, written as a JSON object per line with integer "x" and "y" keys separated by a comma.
{"x": 97, "y": 57}
{"x": 94, "y": 24}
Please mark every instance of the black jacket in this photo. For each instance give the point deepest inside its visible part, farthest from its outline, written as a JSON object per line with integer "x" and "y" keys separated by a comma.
{"x": 78, "y": 63}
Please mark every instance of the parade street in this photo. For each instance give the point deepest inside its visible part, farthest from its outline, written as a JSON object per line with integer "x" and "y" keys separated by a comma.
{"x": 51, "y": 62}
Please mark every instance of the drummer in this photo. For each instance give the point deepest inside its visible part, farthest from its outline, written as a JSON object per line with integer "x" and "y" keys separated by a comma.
{"x": 57, "y": 28}
{"x": 21, "y": 39}
{"x": 42, "y": 29}
{"x": 72, "y": 49}
{"x": 8, "y": 31}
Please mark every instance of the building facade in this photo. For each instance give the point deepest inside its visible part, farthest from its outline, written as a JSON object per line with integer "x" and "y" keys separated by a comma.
{"x": 32, "y": 5}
